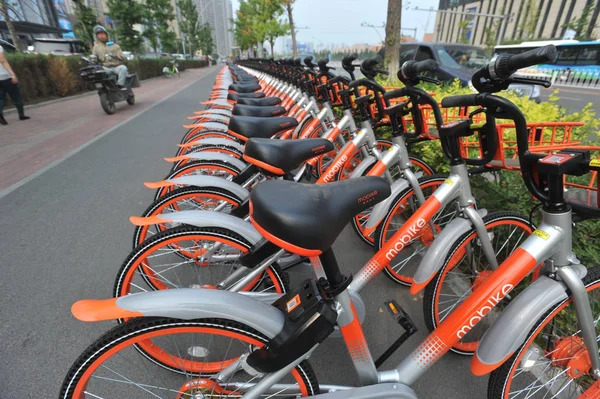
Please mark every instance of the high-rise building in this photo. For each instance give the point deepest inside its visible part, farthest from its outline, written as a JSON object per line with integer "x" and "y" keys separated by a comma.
{"x": 43, "y": 18}
{"x": 217, "y": 14}
{"x": 527, "y": 20}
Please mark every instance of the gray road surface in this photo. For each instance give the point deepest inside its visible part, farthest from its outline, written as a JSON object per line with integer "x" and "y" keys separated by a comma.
{"x": 64, "y": 235}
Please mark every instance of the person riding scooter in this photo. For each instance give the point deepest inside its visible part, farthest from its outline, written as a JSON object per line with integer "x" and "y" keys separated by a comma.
{"x": 110, "y": 55}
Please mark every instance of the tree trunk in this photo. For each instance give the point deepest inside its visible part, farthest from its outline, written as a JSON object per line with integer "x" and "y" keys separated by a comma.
{"x": 392, "y": 36}
{"x": 272, "y": 43}
{"x": 11, "y": 27}
{"x": 260, "y": 50}
{"x": 292, "y": 28}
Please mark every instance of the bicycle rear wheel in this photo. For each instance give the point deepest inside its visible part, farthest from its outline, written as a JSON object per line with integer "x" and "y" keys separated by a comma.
{"x": 207, "y": 168}
{"x": 185, "y": 199}
{"x": 552, "y": 362}
{"x": 191, "y": 257}
{"x": 159, "y": 357}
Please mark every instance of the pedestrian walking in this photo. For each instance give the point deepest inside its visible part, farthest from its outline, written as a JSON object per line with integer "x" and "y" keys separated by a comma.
{"x": 9, "y": 84}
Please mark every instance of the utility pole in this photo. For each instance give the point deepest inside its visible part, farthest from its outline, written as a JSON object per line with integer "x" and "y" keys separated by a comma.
{"x": 503, "y": 18}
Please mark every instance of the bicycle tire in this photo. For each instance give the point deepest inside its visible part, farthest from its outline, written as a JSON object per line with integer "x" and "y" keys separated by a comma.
{"x": 120, "y": 338}
{"x": 498, "y": 384}
{"x": 433, "y": 290}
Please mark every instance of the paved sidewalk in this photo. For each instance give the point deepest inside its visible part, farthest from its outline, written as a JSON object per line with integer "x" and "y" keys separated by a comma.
{"x": 57, "y": 129}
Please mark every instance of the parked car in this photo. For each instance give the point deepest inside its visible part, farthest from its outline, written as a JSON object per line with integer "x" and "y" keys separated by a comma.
{"x": 7, "y": 47}
{"x": 457, "y": 61}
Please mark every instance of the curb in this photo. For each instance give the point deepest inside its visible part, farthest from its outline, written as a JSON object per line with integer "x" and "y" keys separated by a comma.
{"x": 13, "y": 110}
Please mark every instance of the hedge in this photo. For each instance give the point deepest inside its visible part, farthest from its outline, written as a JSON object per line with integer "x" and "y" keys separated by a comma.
{"x": 34, "y": 71}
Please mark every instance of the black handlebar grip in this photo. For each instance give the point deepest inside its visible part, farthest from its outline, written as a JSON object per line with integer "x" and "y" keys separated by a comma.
{"x": 322, "y": 62}
{"x": 506, "y": 64}
{"x": 411, "y": 68}
{"x": 460, "y": 101}
{"x": 347, "y": 60}
{"x": 370, "y": 63}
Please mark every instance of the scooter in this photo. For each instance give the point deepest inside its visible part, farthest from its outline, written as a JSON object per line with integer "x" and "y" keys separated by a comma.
{"x": 171, "y": 69}
{"x": 106, "y": 83}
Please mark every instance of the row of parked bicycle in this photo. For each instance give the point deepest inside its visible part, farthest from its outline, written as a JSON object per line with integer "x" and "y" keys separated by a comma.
{"x": 268, "y": 176}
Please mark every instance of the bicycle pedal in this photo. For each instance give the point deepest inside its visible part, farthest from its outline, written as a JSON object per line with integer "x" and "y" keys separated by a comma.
{"x": 404, "y": 320}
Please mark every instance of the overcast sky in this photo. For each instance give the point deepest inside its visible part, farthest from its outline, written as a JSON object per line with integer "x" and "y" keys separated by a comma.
{"x": 338, "y": 21}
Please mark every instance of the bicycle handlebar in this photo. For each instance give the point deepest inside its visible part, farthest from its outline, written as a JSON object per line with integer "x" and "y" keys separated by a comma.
{"x": 410, "y": 69}
{"x": 507, "y": 64}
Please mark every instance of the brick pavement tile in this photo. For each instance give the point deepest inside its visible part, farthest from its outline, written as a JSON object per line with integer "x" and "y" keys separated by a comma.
{"x": 56, "y": 129}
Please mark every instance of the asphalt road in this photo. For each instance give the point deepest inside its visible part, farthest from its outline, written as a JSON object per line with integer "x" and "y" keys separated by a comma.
{"x": 64, "y": 234}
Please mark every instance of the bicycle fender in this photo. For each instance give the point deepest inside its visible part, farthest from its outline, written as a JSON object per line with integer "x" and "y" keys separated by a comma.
{"x": 210, "y": 156}
{"x": 436, "y": 254}
{"x": 381, "y": 209}
{"x": 216, "y": 118}
{"x": 203, "y": 181}
{"x": 186, "y": 304}
{"x": 511, "y": 328}
{"x": 219, "y": 141}
{"x": 203, "y": 219}
{"x": 363, "y": 166}
{"x": 208, "y": 126}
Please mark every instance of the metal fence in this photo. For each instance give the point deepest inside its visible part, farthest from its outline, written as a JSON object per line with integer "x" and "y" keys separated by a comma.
{"x": 565, "y": 77}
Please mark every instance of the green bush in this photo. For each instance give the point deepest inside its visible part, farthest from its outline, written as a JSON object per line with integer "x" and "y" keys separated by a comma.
{"x": 507, "y": 191}
{"x": 36, "y": 83}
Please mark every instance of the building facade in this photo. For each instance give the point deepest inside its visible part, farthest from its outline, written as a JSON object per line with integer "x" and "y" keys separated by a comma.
{"x": 217, "y": 14}
{"x": 527, "y": 20}
{"x": 34, "y": 18}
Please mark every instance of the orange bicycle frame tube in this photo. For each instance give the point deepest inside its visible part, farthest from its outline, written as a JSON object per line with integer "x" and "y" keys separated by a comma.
{"x": 470, "y": 312}
{"x": 408, "y": 232}
{"x": 338, "y": 163}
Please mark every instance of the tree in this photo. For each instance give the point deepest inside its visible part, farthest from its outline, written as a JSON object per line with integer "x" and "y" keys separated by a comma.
{"x": 581, "y": 25}
{"x": 4, "y": 7}
{"x": 189, "y": 24}
{"x": 288, "y": 7}
{"x": 392, "y": 36}
{"x": 127, "y": 13}
{"x": 242, "y": 27}
{"x": 255, "y": 21}
{"x": 158, "y": 14}
{"x": 205, "y": 40}
{"x": 275, "y": 29}
{"x": 86, "y": 20}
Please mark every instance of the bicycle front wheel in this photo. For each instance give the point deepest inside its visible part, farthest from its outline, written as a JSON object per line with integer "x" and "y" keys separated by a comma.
{"x": 466, "y": 267}
{"x": 403, "y": 266}
{"x": 130, "y": 360}
{"x": 553, "y": 362}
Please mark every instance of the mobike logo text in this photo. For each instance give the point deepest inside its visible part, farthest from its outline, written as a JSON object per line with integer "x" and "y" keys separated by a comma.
{"x": 366, "y": 198}
{"x": 331, "y": 173}
{"x": 405, "y": 239}
{"x": 485, "y": 309}
{"x": 285, "y": 124}
{"x": 319, "y": 149}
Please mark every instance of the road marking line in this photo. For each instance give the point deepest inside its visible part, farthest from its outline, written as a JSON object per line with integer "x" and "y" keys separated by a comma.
{"x": 46, "y": 168}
